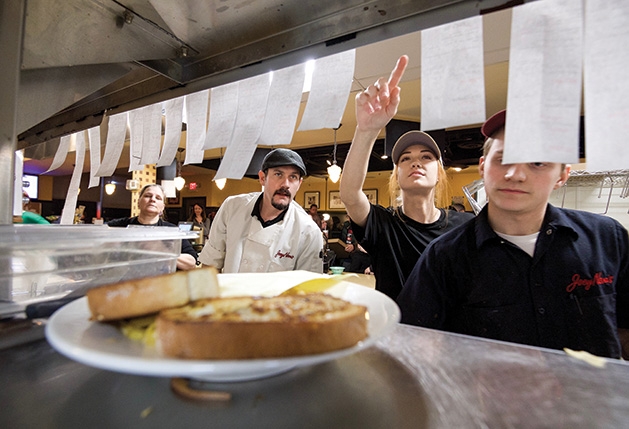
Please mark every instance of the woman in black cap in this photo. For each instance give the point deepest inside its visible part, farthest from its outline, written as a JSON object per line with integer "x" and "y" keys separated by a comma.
{"x": 396, "y": 236}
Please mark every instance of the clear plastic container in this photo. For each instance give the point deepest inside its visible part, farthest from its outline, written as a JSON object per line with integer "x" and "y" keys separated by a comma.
{"x": 42, "y": 262}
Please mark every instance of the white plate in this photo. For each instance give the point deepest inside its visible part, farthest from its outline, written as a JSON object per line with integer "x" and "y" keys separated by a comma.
{"x": 71, "y": 333}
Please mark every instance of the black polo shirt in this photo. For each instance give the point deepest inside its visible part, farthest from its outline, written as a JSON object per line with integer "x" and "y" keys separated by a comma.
{"x": 573, "y": 293}
{"x": 395, "y": 242}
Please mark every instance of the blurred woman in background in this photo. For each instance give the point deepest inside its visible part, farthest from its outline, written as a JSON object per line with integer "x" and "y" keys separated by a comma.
{"x": 151, "y": 204}
{"x": 200, "y": 219}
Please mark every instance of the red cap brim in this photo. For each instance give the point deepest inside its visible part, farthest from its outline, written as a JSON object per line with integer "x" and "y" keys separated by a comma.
{"x": 494, "y": 123}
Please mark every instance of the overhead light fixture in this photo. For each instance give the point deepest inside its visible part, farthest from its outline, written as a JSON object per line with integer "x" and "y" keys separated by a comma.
{"x": 110, "y": 188}
{"x": 334, "y": 171}
{"x": 220, "y": 183}
{"x": 384, "y": 153}
{"x": 456, "y": 167}
{"x": 180, "y": 182}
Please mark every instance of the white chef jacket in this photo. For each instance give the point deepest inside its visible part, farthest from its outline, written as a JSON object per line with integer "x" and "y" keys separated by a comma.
{"x": 239, "y": 243}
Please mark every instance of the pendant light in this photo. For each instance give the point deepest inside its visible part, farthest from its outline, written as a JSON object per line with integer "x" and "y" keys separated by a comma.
{"x": 220, "y": 183}
{"x": 110, "y": 188}
{"x": 334, "y": 171}
{"x": 384, "y": 154}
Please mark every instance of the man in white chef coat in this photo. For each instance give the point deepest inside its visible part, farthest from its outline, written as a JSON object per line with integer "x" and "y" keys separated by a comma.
{"x": 266, "y": 231}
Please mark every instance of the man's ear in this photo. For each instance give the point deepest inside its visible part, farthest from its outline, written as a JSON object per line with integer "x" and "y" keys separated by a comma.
{"x": 481, "y": 165}
{"x": 563, "y": 177}
{"x": 261, "y": 177}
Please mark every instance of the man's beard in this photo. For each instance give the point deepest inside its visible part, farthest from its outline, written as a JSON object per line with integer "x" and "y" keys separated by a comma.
{"x": 282, "y": 191}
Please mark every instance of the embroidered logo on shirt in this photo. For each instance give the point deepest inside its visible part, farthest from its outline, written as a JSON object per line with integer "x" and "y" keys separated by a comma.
{"x": 598, "y": 280}
{"x": 281, "y": 255}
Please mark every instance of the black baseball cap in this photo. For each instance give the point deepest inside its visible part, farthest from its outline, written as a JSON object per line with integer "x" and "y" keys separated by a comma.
{"x": 282, "y": 157}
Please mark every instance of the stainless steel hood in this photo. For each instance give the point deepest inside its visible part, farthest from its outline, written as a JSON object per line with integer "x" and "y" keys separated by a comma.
{"x": 82, "y": 58}
{"x": 68, "y": 63}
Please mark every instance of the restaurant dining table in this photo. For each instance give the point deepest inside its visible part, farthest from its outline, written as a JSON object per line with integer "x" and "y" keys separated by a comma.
{"x": 410, "y": 378}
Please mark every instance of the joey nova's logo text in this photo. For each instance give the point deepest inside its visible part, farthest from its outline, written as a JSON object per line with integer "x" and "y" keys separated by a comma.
{"x": 598, "y": 280}
{"x": 281, "y": 255}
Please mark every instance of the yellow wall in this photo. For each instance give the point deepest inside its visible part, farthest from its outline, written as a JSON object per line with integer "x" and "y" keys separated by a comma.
{"x": 45, "y": 188}
{"x": 146, "y": 176}
{"x": 460, "y": 179}
{"x": 375, "y": 180}
{"x": 215, "y": 197}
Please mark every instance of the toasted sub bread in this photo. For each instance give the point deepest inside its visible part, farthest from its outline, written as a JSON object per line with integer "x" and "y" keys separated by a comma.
{"x": 149, "y": 295}
{"x": 250, "y": 327}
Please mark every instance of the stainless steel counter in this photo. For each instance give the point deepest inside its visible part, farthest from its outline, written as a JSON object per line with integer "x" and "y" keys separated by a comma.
{"x": 413, "y": 378}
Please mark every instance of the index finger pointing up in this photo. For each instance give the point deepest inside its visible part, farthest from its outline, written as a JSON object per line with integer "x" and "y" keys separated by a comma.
{"x": 398, "y": 71}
